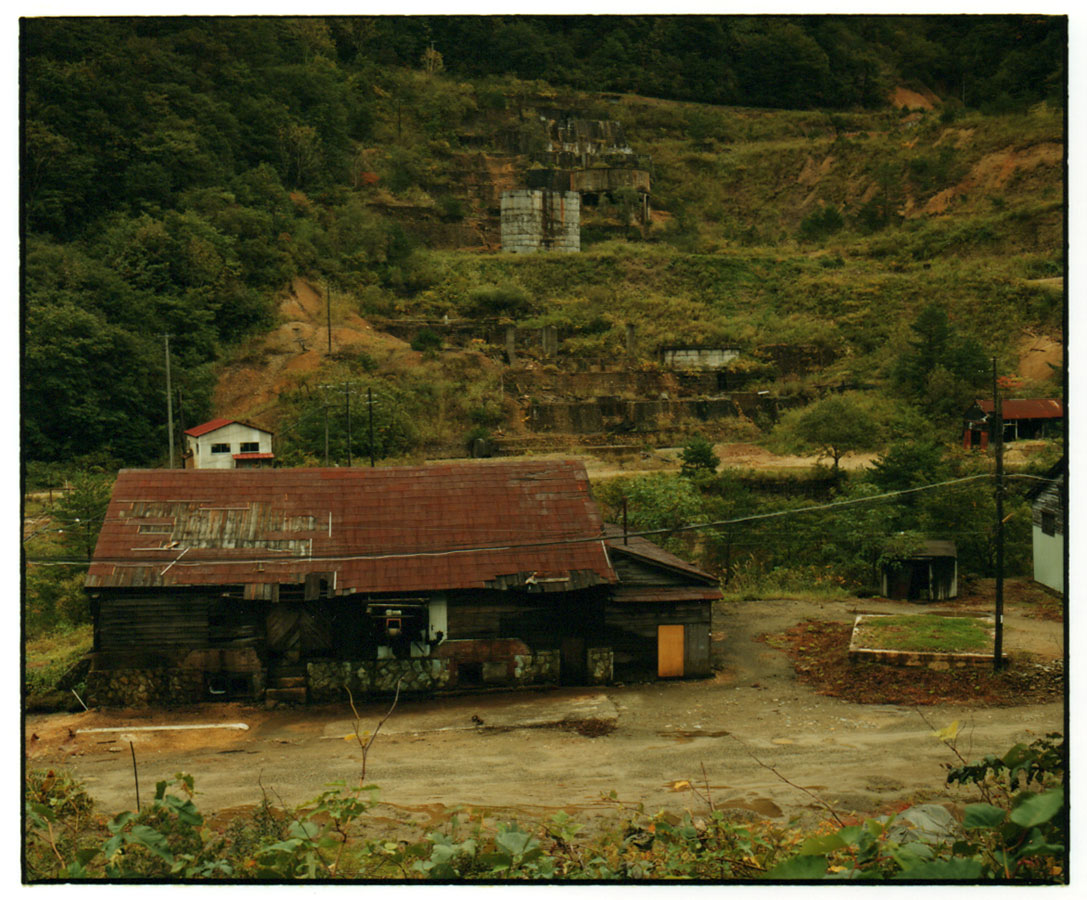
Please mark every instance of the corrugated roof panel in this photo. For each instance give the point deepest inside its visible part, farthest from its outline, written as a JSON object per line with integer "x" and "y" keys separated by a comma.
{"x": 262, "y": 519}
{"x": 1026, "y": 409}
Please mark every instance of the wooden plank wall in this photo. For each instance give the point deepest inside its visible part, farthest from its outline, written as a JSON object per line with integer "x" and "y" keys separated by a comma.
{"x": 632, "y": 633}
{"x": 152, "y": 622}
{"x": 541, "y": 621}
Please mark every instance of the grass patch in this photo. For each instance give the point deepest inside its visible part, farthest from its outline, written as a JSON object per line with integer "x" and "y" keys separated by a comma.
{"x": 923, "y": 633}
{"x": 819, "y": 652}
{"x": 48, "y": 658}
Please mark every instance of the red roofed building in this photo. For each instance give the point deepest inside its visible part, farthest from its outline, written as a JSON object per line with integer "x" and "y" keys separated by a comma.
{"x": 311, "y": 580}
{"x": 227, "y": 444}
{"x": 1023, "y": 420}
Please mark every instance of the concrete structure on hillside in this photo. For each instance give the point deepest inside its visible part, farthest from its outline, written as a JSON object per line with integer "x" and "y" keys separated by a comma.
{"x": 541, "y": 220}
{"x": 227, "y": 444}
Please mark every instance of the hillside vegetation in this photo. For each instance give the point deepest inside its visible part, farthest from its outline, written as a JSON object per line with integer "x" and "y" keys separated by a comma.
{"x": 239, "y": 184}
{"x": 180, "y": 174}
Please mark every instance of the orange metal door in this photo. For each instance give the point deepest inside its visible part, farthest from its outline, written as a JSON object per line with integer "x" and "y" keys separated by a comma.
{"x": 669, "y": 651}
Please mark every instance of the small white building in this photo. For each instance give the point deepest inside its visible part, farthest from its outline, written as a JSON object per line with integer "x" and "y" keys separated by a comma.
{"x": 227, "y": 444}
{"x": 1047, "y": 512}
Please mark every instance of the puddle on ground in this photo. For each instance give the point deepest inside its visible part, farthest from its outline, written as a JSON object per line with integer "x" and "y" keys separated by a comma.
{"x": 685, "y": 737}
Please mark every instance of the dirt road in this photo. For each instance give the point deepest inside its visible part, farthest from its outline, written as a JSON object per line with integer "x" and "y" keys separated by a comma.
{"x": 527, "y": 758}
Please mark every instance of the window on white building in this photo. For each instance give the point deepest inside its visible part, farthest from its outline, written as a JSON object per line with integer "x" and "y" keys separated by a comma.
{"x": 220, "y": 448}
{"x": 250, "y": 447}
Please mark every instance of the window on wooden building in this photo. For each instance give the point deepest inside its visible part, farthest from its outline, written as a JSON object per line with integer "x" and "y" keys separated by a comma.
{"x": 1049, "y": 523}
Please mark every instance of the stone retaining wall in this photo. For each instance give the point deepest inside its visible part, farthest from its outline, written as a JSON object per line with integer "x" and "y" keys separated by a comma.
{"x": 328, "y": 678}
{"x": 600, "y": 662}
{"x": 541, "y": 667}
{"x": 144, "y": 687}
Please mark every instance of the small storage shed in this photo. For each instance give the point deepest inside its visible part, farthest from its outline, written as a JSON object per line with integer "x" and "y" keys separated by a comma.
{"x": 1023, "y": 420}
{"x": 658, "y": 616}
{"x": 931, "y": 573}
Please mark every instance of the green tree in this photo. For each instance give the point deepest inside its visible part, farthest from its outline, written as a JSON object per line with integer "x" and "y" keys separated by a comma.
{"x": 831, "y": 427}
{"x": 941, "y": 368}
{"x": 698, "y": 456}
{"x": 80, "y": 513}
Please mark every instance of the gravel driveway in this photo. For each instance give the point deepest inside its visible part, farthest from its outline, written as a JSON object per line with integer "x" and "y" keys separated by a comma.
{"x": 537, "y": 752}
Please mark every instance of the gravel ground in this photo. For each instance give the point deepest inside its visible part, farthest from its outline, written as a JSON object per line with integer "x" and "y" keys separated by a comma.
{"x": 767, "y": 744}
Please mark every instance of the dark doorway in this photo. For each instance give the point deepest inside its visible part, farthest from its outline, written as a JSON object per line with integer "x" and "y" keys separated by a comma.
{"x": 572, "y": 669}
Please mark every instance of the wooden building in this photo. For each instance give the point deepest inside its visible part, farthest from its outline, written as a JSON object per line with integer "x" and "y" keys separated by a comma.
{"x": 1047, "y": 507}
{"x": 295, "y": 583}
{"x": 228, "y": 444}
{"x": 1023, "y": 420}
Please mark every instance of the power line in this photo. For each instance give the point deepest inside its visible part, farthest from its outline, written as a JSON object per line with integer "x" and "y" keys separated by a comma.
{"x": 585, "y": 539}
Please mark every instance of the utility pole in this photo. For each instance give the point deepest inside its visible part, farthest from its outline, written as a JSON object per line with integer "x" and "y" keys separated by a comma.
{"x": 181, "y": 422}
{"x": 370, "y": 406}
{"x": 326, "y": 437}
{"x": 328, "y": 306}
{"x": 169, "y": 402}
{"x": 998, "y": 433}
{"x": 347, "y": 401}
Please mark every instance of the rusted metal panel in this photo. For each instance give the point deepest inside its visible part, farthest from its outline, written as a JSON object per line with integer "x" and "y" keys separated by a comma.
{"x": 1025, "y": 409}
{"x": 376, "y": 530}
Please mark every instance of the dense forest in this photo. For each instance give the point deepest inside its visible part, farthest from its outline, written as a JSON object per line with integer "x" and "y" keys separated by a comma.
{"x": 177, "y": 172}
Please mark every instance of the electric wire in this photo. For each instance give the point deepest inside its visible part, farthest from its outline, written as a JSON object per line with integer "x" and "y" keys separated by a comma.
{"x": 454, "y": 549}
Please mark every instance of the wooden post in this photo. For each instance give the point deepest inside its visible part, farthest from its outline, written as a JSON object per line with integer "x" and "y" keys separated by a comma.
{"x": 998, "y": 427}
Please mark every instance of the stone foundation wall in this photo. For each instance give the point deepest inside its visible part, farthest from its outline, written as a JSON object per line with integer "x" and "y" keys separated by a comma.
{"x": 145, "y": 687}
{"x": 537, "y": 668}
{"x": 328, "y": 678}
{"x": 938, "y": 662}
{"x": 600, "y": 662}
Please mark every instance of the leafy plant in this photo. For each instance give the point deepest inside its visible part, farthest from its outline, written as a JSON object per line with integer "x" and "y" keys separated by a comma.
{"x": 698, "y": 456}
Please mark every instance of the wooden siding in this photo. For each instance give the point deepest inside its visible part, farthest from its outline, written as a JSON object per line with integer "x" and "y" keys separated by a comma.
{"x": 539, "y": 622}
{"x": 635, "y": 573}
{"x": 631, "y": 630}
{"x": 1049, "y": 501}
{"x": 157, "y": 622}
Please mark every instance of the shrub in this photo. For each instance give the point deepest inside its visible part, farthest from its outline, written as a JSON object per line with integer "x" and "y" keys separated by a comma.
{"x": 698, "y": 456}
{"x": 426, "y": 340}
{"x": 821, "y": 223}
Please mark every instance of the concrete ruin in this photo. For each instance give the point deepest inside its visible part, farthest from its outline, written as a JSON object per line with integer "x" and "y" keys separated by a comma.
{"x": 541, "y": 221}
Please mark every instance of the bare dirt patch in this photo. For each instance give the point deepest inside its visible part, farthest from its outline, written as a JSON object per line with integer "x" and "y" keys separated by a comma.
{"x": 820, "y": 655}
{"x": 904, "y": 98}
{"x": 1040, "y": 356}
{"x": 431, "y": 758}
{"x": 993, "y": 171}
{"x": 274, "y": 362}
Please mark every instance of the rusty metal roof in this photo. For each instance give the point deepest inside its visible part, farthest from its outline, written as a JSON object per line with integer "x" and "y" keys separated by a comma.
{"x": 375, "y": 530}
{"x": 643, "y": 549}
{"x": 1026, "y": 409}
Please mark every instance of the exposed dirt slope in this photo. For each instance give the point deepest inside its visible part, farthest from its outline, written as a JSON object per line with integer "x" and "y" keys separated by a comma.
{"x": 249, "y": 386}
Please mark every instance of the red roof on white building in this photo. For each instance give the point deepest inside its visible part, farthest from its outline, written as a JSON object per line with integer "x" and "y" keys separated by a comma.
{"x": 216, "y": 424}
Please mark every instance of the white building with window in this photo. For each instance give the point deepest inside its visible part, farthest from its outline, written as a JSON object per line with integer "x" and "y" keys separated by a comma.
{"x": 1047, "y": 511}
{"x": 227, "y": 444}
